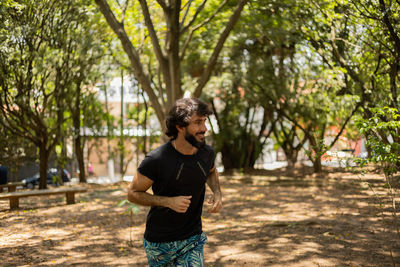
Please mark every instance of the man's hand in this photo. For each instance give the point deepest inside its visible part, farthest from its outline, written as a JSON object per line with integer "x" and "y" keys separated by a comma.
{"x": 216, "y": 202}
{"x": 179, "y": 204}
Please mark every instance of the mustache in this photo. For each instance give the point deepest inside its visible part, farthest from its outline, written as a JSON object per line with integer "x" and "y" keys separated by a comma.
{"x": 200, "y": 132}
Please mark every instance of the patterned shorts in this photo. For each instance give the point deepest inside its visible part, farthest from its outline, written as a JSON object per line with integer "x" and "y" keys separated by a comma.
{"x": 188, "y": 252}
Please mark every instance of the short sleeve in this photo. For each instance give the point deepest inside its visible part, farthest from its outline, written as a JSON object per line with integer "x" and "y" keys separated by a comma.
{"x": 208, "y": 156}
{"x": 212, "y": 157}
{"x": 148, "y": 168}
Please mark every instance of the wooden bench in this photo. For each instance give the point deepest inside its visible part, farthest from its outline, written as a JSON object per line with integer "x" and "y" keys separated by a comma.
{"x": 12, "y": 187}
{"x": 68, "y": 191}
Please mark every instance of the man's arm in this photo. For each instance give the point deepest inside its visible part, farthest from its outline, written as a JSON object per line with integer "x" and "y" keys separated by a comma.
{"x": 137, "y": 193}
{"x": 213, "y": 183}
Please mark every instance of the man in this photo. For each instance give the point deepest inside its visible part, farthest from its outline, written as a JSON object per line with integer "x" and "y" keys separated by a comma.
{"x": 177, "y": 171}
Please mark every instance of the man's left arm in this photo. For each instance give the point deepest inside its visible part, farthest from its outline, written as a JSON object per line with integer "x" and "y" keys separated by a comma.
{"x": 216, "y": 198}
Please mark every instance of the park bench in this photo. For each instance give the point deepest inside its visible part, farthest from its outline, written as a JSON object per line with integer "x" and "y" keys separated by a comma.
{"x": 12, "y": 187}
{"x": 68, "y": 191}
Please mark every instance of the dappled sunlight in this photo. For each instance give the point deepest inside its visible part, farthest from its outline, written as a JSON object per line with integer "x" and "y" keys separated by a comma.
{"x": 336, "y": 222}
{"x": 298, "y": 226}
{"x": 84, "y": 233}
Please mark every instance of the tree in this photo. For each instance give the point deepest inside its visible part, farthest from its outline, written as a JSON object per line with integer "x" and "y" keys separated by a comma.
{"x": 29, "y": 78}
{"x": 290, "y": 138}
{"x": 93, "y": 119}
{"x": 37, "y": 61}
{"x": 384, "y": 153}
{"x": 174, "y": 24}
{"x": 264, "y": 70}
{"x": 382, "y": 39}
{"x": 362, "y": 40}
{"x": 314, "y": 107}
{"x": 321, "y": 114}
{"x": 242, "y": 123}
{"x": 86, "y": 44}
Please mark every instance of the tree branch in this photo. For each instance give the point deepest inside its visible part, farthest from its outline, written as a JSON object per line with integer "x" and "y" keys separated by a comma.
{"x": 164, "y": 62}
{"x": 162, "y": 4}
{"x": 345, "y": 124}
{"x": 342, "y": 61}
{"x": 124, "y": 8}
{"x": 271, "y": 129}
{"x": 153, "y": 35}
{"x": 132, "y": 55}
{"x": 213, "y": 59}
{"x": 199, "y": 9}
{"x": 360, "y": 3}
{"x": 190, "y": 35}
{"x": 395, "y": 38}
{"x": 187, "y": 6}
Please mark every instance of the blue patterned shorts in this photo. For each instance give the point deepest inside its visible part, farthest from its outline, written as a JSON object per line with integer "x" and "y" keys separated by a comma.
{"x": 188, "y": 252}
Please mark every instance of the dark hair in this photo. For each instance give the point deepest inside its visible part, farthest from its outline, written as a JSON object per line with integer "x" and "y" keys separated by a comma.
{"x": 182, "y": 111}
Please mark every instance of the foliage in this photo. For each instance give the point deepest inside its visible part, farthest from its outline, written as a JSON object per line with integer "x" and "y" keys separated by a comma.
{"x": 256, "y": 75}
{"x": 157, "y": 37}
{"x": 381, "y": 44}
{"x": 294, "y": 69}
{"x": 131, "y": 210}
{"x": 41, "y": 68}
{"x": 324, "y": 116}
{"x": 31, "y": 77}
{"x": 361, "y": 40}
{"x": 382, "y": 132}
{"x": 275, "y": 75}
{"x": 241, "y": 124}
{"x": 384, "y": 125}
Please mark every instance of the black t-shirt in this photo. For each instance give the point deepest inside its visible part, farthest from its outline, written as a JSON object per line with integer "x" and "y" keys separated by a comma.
{"x": 175, "y": 174}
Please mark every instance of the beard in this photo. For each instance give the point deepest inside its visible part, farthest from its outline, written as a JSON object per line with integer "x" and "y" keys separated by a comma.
{"x": 193, "y": 141}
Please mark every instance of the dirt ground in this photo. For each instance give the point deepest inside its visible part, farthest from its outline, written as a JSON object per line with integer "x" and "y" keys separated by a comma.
{"x": 270, "y": 218}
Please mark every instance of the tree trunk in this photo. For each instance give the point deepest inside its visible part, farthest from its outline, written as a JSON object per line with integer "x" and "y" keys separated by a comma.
{"x": 62, "y": 160}
{"x": 252, "y": 161}
{"x": 317, "y": 165}
{"x": 252, "y": 154}
{"x": 229, "y": 161}
{"x": 76, "y": 120}
{"x": 121, "y": 135}
{"x": 80, "y": 158}
{"x": 291, "y": 158}
{"x": 145, "y": 137}
{"x": 248, "y": 154}
{"x": 291, "y": 162}
{"x": 173, "y": 37}
{"x": 44, "y": 163}
{"x": 316, "y": 158}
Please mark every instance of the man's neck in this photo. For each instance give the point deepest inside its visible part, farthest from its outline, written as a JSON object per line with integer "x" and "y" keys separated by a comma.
{"x": 183, "y": 146}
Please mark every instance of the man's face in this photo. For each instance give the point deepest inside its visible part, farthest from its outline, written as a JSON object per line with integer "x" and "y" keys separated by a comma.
{"x": 196, "y": 130}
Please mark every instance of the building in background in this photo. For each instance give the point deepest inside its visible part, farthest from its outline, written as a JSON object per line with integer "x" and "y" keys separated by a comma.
{"x": 124, "y": 101}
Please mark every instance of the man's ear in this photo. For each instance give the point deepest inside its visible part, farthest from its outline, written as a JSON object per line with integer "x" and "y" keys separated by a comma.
{"x": 180, "y": 128}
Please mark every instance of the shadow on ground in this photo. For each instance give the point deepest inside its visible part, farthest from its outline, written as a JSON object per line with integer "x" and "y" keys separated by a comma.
{"x": 270, "y": 218}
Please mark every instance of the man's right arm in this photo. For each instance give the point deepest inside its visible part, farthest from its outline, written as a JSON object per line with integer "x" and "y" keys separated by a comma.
{"x": 137, "y": 193}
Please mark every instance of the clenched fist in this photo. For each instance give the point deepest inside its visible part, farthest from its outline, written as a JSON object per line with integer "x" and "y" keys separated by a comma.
{"x": 216, "y": 203}
{"x": 179, "y": 204}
